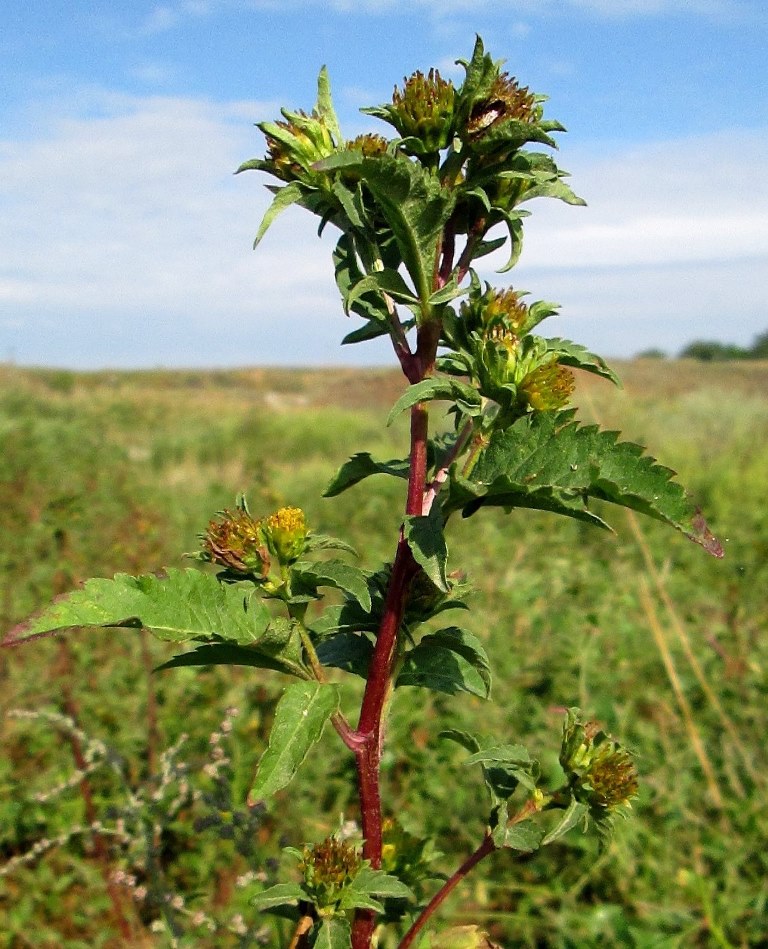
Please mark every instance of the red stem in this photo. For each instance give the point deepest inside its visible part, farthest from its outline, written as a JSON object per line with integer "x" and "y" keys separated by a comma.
{"x": 485, "y": 848}
{"x": 369, "y": 732}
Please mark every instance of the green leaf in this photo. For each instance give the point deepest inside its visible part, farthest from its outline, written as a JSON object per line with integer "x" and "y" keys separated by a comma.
{"x": 426, "y": 539}
{"x": 281, "y": 894}
{"x": 182, "y": 605}
{"x": 324, "y": 107}
{"x": 415, "y": 207}
{"x": 451, "y": 660}
{"x": 229, "y": 654}
{"x": 437, "y": 387}
{"x": 576, "y": 813}
{"x": 548, "y": 460}
{"x": 326, "y": 542}
{"x": 346, "y": 650}
{"x": 334, "y": 933}
{"x": 337, "y": 574}
{"x": 513, "y": 760}
{"x": 385, "y": 282}
{"x": 300, "y": 717}
{"x": 369, "y": 887}
{"x": 514, "y": 222}
{"x": 467, "y": 741}
{"x": 579, "y": 357}
{"x": 525, "y": 836}
{"x": 284, "y": 198}
{"x": 361, "y": 466}
{"x": 370, "y": 330}
{"x": 370, "y": 305}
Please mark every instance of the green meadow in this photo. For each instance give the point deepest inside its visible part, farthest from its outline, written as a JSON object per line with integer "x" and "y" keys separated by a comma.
{"x": 667, "y": 647}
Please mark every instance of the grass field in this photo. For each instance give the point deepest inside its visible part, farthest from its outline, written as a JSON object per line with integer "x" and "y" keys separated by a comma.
{"x": 111, "y": 472}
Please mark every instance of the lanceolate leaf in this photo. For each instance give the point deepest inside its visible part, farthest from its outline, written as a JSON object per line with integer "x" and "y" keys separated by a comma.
{"x": 180, "y": 606}
{"x": 229, "y": 654}
{"x": 437, "y": 387}
{"x": 369, "y": 887}
{"x": 426, "y": 538}
{"x": 579, "y": 357}
{"x": 284, "y": 198}
{"x": 361, "y": 466}
{"x": 547, "y": 460}
{"x": 576, "y": 813}
{"x": 450, "y": 660}
{"x": 281, "y": 894}
{"x": 300, "y": 717}
{"x": 338, "y": 574}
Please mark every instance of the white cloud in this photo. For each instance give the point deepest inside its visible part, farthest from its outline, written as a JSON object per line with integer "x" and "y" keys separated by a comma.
{"x": 125, "y": 239}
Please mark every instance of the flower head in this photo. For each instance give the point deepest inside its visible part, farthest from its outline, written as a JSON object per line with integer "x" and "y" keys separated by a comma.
{"x": 600, "y": 771}
{"x": 421, "y": 110}
{"x": 285, "y": 533}
{"x": 234, "y": 540}
{"x": 295, "y": 144}
{"x": 505, "y": 100}
{"x": 547, "y": 387}
{"x": 328, "y": 867}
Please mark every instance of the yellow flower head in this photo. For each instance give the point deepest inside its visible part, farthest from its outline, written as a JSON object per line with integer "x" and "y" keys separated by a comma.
{"x": 548, "y": 386}
{"x": 286, "y": 533}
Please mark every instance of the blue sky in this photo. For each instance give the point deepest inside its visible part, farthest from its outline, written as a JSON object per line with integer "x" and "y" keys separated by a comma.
{"x": 125, "y": 240}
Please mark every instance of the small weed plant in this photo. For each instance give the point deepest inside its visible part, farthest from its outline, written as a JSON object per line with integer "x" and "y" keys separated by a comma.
{"x": 414, "y": 212}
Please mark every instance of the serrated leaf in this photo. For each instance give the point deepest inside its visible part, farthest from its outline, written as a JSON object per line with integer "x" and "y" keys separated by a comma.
{"x": 370, "y": 305}
{"x": 334, "y": 933}
{"x": 337, "y": 574}
{"x": 548, "y": 457}
{"x": 380, "y": 883}
{"x": 291, "y": 194}
{"x": 229, "y": 654}
{"x": 324, "y": 107}
{"x": 579, "y": 357}
{"x": 504, "y": 768}
{"x": 451, "y": 660}
{"x": 415, "y": 207}
{"x": 437, "y": 387}
{"x": 426, "y": 538}
{"x": 348, "y": 651}
{"x": 526, "y": 836}
{"x": 326, "y": 542}
{"x": 300, "y": 717}
{"x": 361, "y": 466}
{"x": 281, "y": 894}
{"x": 180, "y": 606}
{"x": 576, "y": 813}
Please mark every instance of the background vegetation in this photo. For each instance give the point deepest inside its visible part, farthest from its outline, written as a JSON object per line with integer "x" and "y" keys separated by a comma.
{"x": 112, "y": 472}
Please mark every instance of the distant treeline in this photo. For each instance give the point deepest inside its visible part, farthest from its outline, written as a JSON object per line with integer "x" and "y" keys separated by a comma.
{"x": 708, "y": 351}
